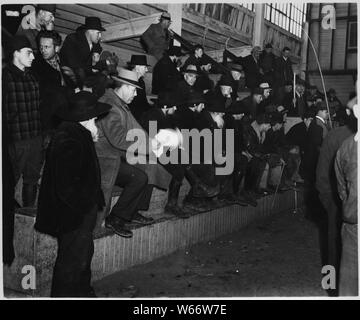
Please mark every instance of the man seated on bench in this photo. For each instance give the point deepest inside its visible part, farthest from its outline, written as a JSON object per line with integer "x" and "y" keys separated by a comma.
{"x": 115, "y": 159}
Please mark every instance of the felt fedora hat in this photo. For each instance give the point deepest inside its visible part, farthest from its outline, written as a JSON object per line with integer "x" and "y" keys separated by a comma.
{"x": 191, "y": 69}
{"x": 165, "y": 16}
{"x": 93, "y": 23}
{"x": 138, "y": 60}
{"x": 82, "y": 106}
{"x": 174, "y": 51}
{"x": 127, "y": 77}
{"x": 226, "y": 80}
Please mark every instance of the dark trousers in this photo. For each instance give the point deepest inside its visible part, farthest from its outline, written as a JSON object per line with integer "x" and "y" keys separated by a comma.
{"x": 176, "y": 170}
{"x": 333, "y": 210}
{"x": 72, "y": 271}
{"x": 253, "y": 174}
{"x": 136, "y": 194}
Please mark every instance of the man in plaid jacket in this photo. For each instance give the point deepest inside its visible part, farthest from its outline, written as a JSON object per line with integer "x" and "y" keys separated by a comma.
{"x": 21, "y": 100}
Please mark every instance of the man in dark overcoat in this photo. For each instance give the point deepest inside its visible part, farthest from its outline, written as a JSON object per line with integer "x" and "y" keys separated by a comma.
{"x": 157, "y": 37}
{"x": 47, "y": 70}
{"x": 77, "y": 51}
{"x": 122, "y": 164}
{"x": 70, "y": 194}
{"x": 165, "y": 73}
{"x": 140, "y": 104}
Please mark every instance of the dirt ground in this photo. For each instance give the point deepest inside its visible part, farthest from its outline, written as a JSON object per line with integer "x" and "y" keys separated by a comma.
{"x": 275, "y": 257}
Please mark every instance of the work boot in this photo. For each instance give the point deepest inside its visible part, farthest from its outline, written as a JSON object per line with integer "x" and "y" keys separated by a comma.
{"x": 250, "y": 198}
{"x": 173, "y": 194}
{"x": 237, "y": 178}
{"x": 198, "y": 188}
{"x": 194, "y": 204}
{"x": 29, "y": 193}
{"x": 118, "y": 226}
{"x": 177, "y": 211}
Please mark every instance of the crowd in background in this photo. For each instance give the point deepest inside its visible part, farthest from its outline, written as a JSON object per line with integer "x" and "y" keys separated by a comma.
{"x": 68, "y": 106}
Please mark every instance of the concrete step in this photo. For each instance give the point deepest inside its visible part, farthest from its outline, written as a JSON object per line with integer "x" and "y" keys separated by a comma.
{"x": 113, "y": 253}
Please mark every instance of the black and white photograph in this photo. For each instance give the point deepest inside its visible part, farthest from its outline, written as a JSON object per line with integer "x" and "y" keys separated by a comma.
{"x": 168, "y": 151}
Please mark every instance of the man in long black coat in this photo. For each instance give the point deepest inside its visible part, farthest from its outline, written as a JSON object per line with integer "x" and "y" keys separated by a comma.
{"x": 70, "y": 195}
{"x": 140, "y": 104}
{"x": 165, "y": 72}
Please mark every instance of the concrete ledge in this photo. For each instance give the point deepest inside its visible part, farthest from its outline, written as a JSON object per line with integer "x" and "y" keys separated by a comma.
{"x": 113, "y": 253}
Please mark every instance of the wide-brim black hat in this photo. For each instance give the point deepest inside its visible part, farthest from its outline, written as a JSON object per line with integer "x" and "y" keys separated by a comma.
{"x": 225, "y": 80}
{"x": 167, "y": 98}
{"x": 236, "y": 108}
{"x": 82, "y": 106}
{"x": 191, "y": 69}
{"x": 175, "y": 51}
{"x": 138, "y": 60}
{"x": 192, "y": 98}
{"x": 215, "y": 104}
{"x": 93, "y": 23}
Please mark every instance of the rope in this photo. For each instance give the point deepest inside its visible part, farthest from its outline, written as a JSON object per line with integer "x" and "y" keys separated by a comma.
{"x": 321, "y": 76}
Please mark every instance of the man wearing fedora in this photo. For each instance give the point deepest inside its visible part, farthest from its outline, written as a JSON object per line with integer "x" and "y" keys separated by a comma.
{"x": 204, "y": 84}
{"x": 237, "y": 76}
{"x": 42, "y": 18}
{"x": 254, "y": 134}
{"x": 165, "y": 72}
{"x": 233, "y": 120}
{"x": 21, "y": 101}
{"x": 186, "y": 85}
{"x": 70, "y": 194}
{"x": 140, "y": 104}
{"x": 137, "y": 180}
{"x": 251, "y": 104}
{"x": 252, "y": 68}
{"x": 267, "y": 102}
{"x": 315, "y": 135}
{"x": 76, "y": 52}
{"x": 297, "y": 107}
{"x": 157, "y": 37}
{"x": 267, "y": 60}
{"x": 223, "y": 91}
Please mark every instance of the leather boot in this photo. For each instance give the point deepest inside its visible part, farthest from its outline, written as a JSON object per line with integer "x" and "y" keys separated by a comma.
{"x": 238, "y": 176}
{"x": 173, "y": 195}
{"x": 29, "y": 195}
{"x": 198, "y": 188}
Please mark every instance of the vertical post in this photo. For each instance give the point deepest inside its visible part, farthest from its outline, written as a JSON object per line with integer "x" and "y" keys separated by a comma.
{"x": 304, "y": 49}
{"x": 175, "y": 10}
{"x": 259, "y": 26}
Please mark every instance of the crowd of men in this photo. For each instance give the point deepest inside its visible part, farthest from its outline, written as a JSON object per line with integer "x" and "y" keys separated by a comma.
{"x": 69, "y": 105}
